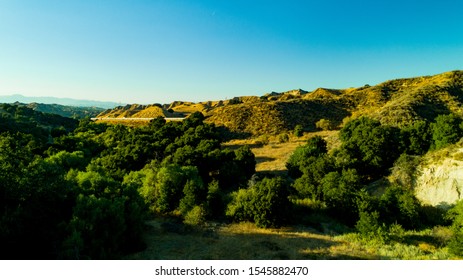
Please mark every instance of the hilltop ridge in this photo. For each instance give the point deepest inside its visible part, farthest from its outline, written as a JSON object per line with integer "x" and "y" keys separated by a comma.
{"x": 395, "y": 102}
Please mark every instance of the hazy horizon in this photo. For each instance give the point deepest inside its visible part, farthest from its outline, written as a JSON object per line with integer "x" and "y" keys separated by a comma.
{"x": 162, "y": 51}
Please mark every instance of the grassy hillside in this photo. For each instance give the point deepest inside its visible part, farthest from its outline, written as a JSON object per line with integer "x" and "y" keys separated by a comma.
{"x": 402, "y": 101}
{"x": 133, "y": 111}
{"x": 274, "y": 117}
{"x": 396, "y": 102}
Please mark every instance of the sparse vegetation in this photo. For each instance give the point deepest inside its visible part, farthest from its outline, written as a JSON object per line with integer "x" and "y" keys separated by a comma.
{"x": 298, "y": 130}
{"x": 324, "y": 124}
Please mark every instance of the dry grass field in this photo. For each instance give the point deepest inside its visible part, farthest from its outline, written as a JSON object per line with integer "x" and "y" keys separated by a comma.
{"x": 272, "y": 155}
{"x": 242, "y": 241}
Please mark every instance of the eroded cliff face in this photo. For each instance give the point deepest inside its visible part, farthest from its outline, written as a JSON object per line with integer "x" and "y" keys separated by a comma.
{"x": 439, "y": 181}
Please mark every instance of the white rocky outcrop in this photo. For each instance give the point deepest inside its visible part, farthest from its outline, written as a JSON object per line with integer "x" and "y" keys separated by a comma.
{"x": 440, "y": 182}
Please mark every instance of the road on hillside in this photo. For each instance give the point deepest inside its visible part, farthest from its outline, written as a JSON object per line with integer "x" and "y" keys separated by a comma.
{"x": 135, "y": 119}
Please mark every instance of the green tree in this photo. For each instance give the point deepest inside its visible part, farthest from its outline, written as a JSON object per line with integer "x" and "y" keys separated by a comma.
{"x": 194, "y": 191}
{"x": 416, "y": 138}
{"x": 304, "y": 155}
{"x": 246, "y": 160}
{"x": 313, "y": 171}
{"x": 446, "y": 130}
{"x": 368, "y": 147}
{"x": 266, "y": 203}
{"x": 399, "y": 205}
{"x": 169, "y": 188}
{"x": 96, "y": 229}
{"x": 236, "y": 167}
{"x": 455, "y": 215}
{"x": 35, "y": 201}
{"x": 370, "y": 227}
{"x": 339, "y": 192}
{"x": 215, "y": 205}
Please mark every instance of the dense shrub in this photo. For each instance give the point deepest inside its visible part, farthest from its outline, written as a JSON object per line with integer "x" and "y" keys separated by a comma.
{"x": 399, "y": 205}
{"x": 455, "y": 214}
{"x": 339, "y": 191}
{"x": 446, "y": 129}
{"x": 303, "y": 156}
{"x": 266, "y": 203}
{"x": 324, "y": 124}
{"x": 369, "y": 226}
{"x": 368, "y": 147}
{"x": 416, "y": 138}
{"x": 298, "y": 130}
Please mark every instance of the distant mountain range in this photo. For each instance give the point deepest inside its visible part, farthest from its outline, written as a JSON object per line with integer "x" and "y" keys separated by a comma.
{"x": 55, "y": 100}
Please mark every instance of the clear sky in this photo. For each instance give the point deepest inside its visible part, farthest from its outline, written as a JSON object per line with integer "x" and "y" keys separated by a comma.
{"x": 158, "y": 51}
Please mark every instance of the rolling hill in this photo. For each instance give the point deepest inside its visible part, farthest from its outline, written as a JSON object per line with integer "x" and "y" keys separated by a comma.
{"x": 395, "y": 102}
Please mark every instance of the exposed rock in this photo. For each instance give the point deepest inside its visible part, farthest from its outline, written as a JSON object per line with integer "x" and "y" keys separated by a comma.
{"x": 440, "y": 183}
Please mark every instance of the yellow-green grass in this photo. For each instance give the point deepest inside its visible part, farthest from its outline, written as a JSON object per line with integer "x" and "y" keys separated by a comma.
{"x": 272, "y": 156}
{"x": 126, "y": 121}
{"x": 241, "y": 241}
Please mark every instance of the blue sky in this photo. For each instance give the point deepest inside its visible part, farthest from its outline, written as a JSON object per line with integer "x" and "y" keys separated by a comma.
{"x": 158, "y": 51}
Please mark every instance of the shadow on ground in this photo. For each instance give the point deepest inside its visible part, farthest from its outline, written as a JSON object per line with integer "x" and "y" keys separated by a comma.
{"x": 175, "y": 241}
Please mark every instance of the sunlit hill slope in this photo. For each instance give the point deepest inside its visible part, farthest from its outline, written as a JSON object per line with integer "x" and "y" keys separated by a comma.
{"x": 396, "y": 102}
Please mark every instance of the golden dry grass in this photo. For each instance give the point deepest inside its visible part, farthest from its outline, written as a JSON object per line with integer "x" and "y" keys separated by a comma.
{"x": 274, "y": 155}
{"x": 150, "y": 112}
{"x": 244, "y": 241}
{"x": 128, "y": 122}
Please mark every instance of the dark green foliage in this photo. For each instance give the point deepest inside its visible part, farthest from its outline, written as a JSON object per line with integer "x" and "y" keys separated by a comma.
{"x": 399, "y": 205}
{"x": 416, "y": 138}
{"x": 298, "y": 130}
{"x": 456, "y": 216}
{"x": 303, "y": 156}
{"x": 236, "y": 167}
{"x": 446, "y": 130}
{"x": 339, "y": 191}
{"x": 369, "y": 226}
{"x": 194, "y": 119}
{"x": 169, "y": 188}
{"x": 367, "y": 153}
{"x": 266, "y": 203}
{"x": 107, "y": 219}
{"x": 215, "y": 204}
{"x": 104, "y": 227}
{"x": 313, "y": 171}
{"x": 39, "y": 125}
{"x": 96, "y": 228}
{"x": 35, "y": 200}
{"x": 246, "y": 160}
{"x": 75, "y": 112}
{"x": 82, "y": 191}
{"x": 194, "y": 191}
{"x": 368, "y": 147}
